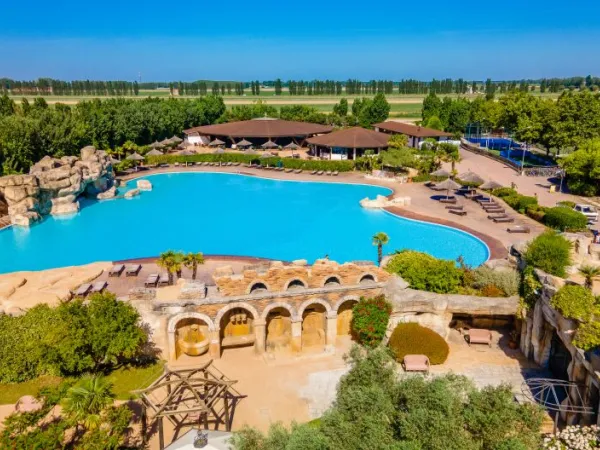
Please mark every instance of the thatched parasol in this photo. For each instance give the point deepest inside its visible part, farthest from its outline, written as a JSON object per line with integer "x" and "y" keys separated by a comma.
{"x": 447, "y": 185}
{"x": 166, "y": 143}
{"x": 154, "y": 152}
{"x": 250, "y": 152}
{"x": 176, "y": 139}
{"x": 135, "y": 157}
{"x": 186, "y": 153}
{"x": 114, "y": 161}
{"x": 244, "y": 143}
{"x": 441, "y": 173}
{"x": 219, "y": 151}
{"x": 292, "y": 146}
{"x": 155, "y": 144}
{"x": 470, "y": 178}
{"x": 216, "y": 143}
{"x": 267, "y": 155}
{"x": 269, "y": 144}
{"x": 490, "y": 185}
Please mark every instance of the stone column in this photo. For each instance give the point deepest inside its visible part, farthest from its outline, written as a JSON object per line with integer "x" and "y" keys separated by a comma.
{"x": 296, "y": 342}
{"x": 260, "y": 335}
{"x": 215, "y": 343}
{"x": 172, "y": 349}
{"x": 331, "y": 331}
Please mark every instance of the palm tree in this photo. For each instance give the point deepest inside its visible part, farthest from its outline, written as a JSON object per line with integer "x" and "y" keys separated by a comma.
{"x": 192, "y": 261}
{"x": 589, "y": 273}
{"x": 85, "y": 401}
{"x": 178, "y": 266}
{"x": 168, "y": 261}
{"x": 380, "y": 239}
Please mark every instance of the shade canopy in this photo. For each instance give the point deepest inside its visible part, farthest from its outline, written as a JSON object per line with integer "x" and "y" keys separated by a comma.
{"x": 355, "y": 137}
{"x": 166, "y": 142}
{"x": 135, "y": 157}
{"x": 114, "y": 161}
{"x": 447, "y": 185}
{"x": 243, "y": 143}
{"x": 490, "y": 185}
{"x": 269, "y": 144}
{"x": 411, "y": 130}
{"x": 250, "y": 152}
{"x": 154, "y": 152}
{"x": 155, "y": 144}
{"x": 470, "y": 177}
{"x": 219, "y": 151}
{"x": 263, "y": 127}
{"x": 216, "y": 143}
{"x": 292, "y": 146}
{"x": 440, "y": 173}
{"x": 186, "y": 153}
{"x": 176, "y": 139}
{"x": 267, "y": 155}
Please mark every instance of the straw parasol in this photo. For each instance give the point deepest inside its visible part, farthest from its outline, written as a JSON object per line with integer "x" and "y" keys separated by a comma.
{"x": 447, "y": 185}
{"x": 135, "y": 157}
{"x": 155, "y": 144}
{"x": 267, "y": 155}
{"x": 441, "y": 173}
{"x": 250, "y": 152}
{"x": 269, "y": 144}
{"x": 490, "y": 185}
{"x": 166, "y": 143}
{"x": 219, "y": 151}
{"x": 154, "y": 152}
{"x": 471, "y": 178}
{"x": 186, "y": 153}
{"x": 114, "y": 161}
{"x": 216, "y": 143}
{"x": 176, "y": 139}
{"x": 292, "y": 146}
{"x": 244, "y": 143}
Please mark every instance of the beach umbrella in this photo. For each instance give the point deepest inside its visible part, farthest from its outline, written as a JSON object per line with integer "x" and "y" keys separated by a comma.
{"x": 186, "y": 153}
{"x": 292, "y": 146}
{"x": 470, "y": 177}
{"x": 267, "y": 155}
{"x": 135, "y": 157}
{"x": 244, "y": 143}
{"x": 250, "y": 152}
{"x": 166, "y": 143}
{"x": 219, "y": 151}
{"x": 176, "y": 139}
{"x": 440, "y": 173}
{"x": 114, "y": 161}
{"x": 216, "y": 143}
{"x": 447, "y": 185}
{"x": 155, "y": 144}
{"x": 490, "y": 185}
{"x": 154, "y": 152}
{"x": 269, "y": 144}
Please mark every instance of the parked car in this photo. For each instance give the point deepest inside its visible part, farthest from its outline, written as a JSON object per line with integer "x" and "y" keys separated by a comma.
{"x": 588, "y": 211}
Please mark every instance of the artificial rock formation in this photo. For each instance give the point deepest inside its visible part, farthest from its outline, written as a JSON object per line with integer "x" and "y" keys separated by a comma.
{"x": 54, "y": 185}
{"x": 382, "y": 201}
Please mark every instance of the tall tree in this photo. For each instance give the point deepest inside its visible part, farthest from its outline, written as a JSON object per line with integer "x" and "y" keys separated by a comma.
{"x": 379, "y": 240}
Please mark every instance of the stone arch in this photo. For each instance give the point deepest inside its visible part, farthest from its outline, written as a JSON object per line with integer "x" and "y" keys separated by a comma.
{"x": 295, "y": 283}
{"x": 347, "y": 298}
{"x": 276, "y": 305}
{"x": 367, "y": 277}
{"x": 172, "y": 324}
{"x": 343, "y": 309}
{"x": 309, "y": 302}
{"x": 333, "y": 279}
{"x": 230, "y": 306}
{"x": 257, "y": 284}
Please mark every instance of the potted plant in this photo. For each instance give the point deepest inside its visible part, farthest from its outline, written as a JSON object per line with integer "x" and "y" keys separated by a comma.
{"x": 513, "y": 343}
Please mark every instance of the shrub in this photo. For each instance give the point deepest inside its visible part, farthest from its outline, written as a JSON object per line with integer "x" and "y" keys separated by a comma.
{"x": 565, "y": 219}
{"x": 520, "y": 202}
{"x": 492, "y": 291}
{"x": 567, "y": 204}
{"x": 370, "y": 318}
{"x": 506, "y": 280}
{"x": 413, "y": 339}
{"x": 587, "y": 336}
{"x": 574, "y": 302}
{"x": 549, "y": 252}
{"x": 504, "y": 192}
{"x": 536, "y": 212}
{"x": 426, "y": 273}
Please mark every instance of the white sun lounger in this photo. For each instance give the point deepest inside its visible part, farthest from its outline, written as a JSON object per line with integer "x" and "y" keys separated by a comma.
{"x": 133, "y": 270}
{"x": 116, "y": 270}
{"x": 98, "y": 286}
{"x": 83, "y": 290}
{"x": 151, "y": 280}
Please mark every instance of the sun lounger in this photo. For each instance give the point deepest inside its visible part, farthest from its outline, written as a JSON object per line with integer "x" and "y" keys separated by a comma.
{"x": 314, "y": 172}
{"x": 503, "y": 220}
{"x": 133, "y": 270}
{"x": 480, "y": 336}
{"x": 230, "y": 163}
{"x": 448, "y": 200}
{"x": 98, "y": 286}
{"x": 83, "y": 290}
{"x": 151, "y": 280}
{"x": 496, "y": 216}
{"x": 518, "y": 229}
{"x": 236, "y": 164}
{"x": 495, "y": 210}
{"x": 328, "y": 173}
{"x": 471, "y": 195}
{"x": 298, "y": 171}
{"x": 481, "y": 201}
{"x": 289, "y": 170}
{"x": 163, "y": 279}
{"x": 116, "y": 270}
{"x": 416, "y": 363}
{"x": 455, "y": 207}
{"x": 320, "y": 172}
{"x": 335, "y": 173}
{"x": 457, "y": 212}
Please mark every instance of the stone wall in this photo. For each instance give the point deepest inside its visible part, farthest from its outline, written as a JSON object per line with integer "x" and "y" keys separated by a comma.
{"x": 54, "y": 185}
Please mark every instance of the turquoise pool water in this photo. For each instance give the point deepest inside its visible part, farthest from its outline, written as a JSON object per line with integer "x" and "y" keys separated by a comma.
{"x": 229, "y": 215}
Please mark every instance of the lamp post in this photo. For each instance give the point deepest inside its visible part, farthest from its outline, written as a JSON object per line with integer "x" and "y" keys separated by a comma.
{"x": 526, "y": 150}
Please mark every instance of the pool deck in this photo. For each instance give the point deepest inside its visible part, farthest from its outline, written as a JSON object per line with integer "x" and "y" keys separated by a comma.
{"x": 422, "y": 207}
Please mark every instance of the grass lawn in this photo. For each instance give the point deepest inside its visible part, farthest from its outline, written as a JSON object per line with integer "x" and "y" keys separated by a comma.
{"x": 124, "y": 381}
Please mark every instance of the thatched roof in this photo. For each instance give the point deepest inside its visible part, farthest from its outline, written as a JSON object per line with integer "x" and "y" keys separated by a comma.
{"x": 262, "y": 128}
{"x": 292, "y": 146}
{"x": 440, "y": 173}
{"x": 490, "y": 185}
{"x": 269, "y": 144}
{"x": 267, "y": 155}
{"x": 216, "y": 142}
{"x": 243, "y": 143}
{"x": 186, "y": 153}
{"x": 355, "y": 137}
{"x": 250, "y": 152}
{"x": 154, "y": 152}
{"x": 410, "y": 130}
{"x": 219, "y": 151}
{"x": 447, "y": 185}
{"x": 470, "y": 177}
{"x": 176, "y": 139}
{"x": 135, "y": 157}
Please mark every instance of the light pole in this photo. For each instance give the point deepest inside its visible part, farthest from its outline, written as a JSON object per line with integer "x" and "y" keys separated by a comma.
{"x": 524, "y": 151}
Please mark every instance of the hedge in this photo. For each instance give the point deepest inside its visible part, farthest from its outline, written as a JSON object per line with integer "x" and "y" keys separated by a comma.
{"x": 565, "y": 219}
{"x": 574, "y": 302}
{"x": 413, "y": 339}
{"x": 288, "y": 163}
{"x": 370, "y": 318}
{"x": 549, "y": 252}
{"x": 515, "y": 200}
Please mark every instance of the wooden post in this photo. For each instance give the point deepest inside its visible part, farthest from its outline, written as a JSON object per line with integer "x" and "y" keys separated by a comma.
{"x": 161, "y": 435}
{"x": 144, "y": 420}
{"x": 227, "y": 421}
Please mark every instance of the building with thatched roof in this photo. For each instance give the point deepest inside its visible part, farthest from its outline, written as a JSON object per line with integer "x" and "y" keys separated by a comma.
{"x": 414, "y": 133}
{"x": 257, "y": 131}
{"x": 349, "y": 143}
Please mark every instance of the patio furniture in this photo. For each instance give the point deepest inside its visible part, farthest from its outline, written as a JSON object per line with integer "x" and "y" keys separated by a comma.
{"x": 518, "y": 229}
{"x": 116, "y": 270}
{"x": 496, "y": 216}
{"x": 289, "y": 170}
{"x": 480, "y": 336}
{"x": 416, "y": 363}
{"x": 133, "y": 270}
{"x": 495, "y": 210}
{"x": 298, "y": 171}
{"x": 98, "y": 286}
{"x": 163, "y": 279}
{"x": 448, "y": 200}
{"x": 503, "y": 220}
{"x": 328, "y": 173}
{"x": 455, "y": 207}
{"x": 320, "y": 172}
{"x": 458, "y": 212}
{"x": 335, "y": 173}
{"x": 151, "y": 280}
{"x": 83, "y": 290}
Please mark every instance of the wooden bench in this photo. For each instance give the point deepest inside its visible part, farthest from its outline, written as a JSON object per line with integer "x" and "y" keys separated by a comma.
{"x": 236, "y": 341}
{"x": 416, "y": 363}
{"x": 458, "y": 212}
{"x": 480, "y": 336}
{"x": 518, "y": 229}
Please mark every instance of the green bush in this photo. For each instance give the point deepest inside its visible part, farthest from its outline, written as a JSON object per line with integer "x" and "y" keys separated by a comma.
{"x": 520, "y": 202}
{"x": 574, "y": 302}
{"x": 587, "y": 336}
{"x": 426, "y": 273}
{"x": 536, "y": 212}
{"x": 506, "y": 280}
{"x": 413, "y": 339}
{"x": 567, "y": 204}
{"x": 422, "y": 178}
{"x": 565, "y": 219}
{"x": 549, "y": 252}
{"x": 504, "y": 192}
{"x": 288, "y": 163}
{"x": 370, "y": 318}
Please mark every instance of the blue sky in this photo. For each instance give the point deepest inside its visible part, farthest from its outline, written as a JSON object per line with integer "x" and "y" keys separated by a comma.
{"x": 311, "y": 39}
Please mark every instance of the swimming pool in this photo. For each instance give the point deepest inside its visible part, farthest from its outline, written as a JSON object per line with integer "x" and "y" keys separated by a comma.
{"x": 229, "y": 214}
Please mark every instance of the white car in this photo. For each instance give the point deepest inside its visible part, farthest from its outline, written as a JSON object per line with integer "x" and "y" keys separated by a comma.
{"x": 588, "y": 211}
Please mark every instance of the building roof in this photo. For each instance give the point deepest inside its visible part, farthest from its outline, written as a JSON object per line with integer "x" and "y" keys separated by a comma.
{"x": 411, "y": 130}
{"x": 261, "y": 128}
{"x": 355, "y": 137}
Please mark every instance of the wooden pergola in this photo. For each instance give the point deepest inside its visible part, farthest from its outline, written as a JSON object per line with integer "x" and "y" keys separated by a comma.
{"x": 200, "y": 397}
